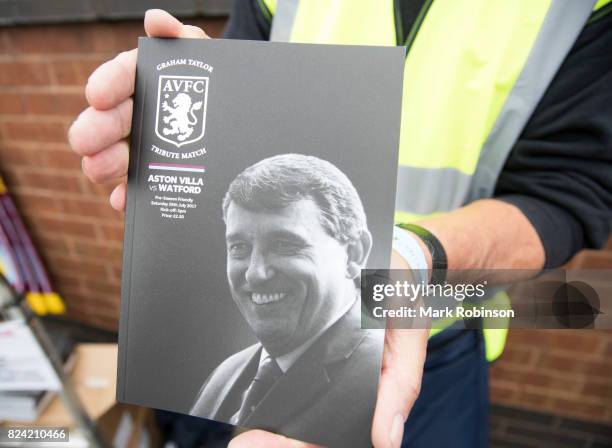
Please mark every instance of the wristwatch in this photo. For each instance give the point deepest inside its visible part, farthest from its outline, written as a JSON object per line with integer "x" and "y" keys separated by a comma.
{"x": 439, "y": 262}
{"x": 407, "y": 245}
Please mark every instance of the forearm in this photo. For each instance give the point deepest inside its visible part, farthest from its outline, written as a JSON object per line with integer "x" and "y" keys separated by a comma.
{"x": 487, "y": 234}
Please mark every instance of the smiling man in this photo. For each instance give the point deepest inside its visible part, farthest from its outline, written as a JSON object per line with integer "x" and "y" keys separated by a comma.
{"x": 297, "y": 239}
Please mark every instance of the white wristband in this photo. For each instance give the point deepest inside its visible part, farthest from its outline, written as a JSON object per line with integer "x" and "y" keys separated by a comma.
{"x": 408, "y": 248}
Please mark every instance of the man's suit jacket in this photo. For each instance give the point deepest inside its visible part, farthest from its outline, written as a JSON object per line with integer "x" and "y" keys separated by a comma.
{"x": 327, "y": 397}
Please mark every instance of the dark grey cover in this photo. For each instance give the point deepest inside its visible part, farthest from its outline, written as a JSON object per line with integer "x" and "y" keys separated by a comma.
{"x": 183, "y": 344}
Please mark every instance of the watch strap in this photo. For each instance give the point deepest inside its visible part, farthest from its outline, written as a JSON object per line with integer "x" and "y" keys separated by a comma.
{"x": 406, "y": 245}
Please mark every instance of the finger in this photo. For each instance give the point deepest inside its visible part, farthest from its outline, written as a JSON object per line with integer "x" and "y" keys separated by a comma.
{"x": 112, "y": 82}
{"x": 193, "y": 32}
{"x": 263, "y": 439}
{"x": 108, "y": 164}
{"x": 399, "y": 385}
{"x": 95, "y": 130}
{"x": 117, "y": 197}
{"x": 159, "y": 23}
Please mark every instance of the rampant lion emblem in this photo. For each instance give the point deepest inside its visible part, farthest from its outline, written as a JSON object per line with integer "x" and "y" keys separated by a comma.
{"x": 181, "y": 117}
{"x": 181, "y": 109}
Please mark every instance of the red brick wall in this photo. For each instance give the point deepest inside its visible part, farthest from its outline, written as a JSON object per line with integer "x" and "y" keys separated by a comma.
{"x": 42, "y": 73}
{"x": 564, "y": 372}
{"x": 557, "y": 371}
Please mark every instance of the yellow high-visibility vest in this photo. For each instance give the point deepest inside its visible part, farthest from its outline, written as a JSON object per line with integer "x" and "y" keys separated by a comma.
{"x": 474, "y": 73}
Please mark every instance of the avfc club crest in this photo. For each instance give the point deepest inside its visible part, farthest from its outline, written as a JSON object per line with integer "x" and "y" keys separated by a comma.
{"x": 181, "y": 109}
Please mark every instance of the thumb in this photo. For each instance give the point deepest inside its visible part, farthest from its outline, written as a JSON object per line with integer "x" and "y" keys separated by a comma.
{"x": 159, "y": 23}
{"x": 399, "y": 385}
{"x": 263, "y": 439}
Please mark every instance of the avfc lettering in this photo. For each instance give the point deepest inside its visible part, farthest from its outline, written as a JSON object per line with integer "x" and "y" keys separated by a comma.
{"x": 184, "y": 85}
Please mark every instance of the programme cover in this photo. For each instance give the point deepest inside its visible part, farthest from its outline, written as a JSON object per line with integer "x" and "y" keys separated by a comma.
{"x": 261, "y": 181}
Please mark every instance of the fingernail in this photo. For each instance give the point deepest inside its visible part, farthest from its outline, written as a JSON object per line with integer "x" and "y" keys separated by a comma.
{"x": 234, "y": 444}
{"x": 397, "y": 430}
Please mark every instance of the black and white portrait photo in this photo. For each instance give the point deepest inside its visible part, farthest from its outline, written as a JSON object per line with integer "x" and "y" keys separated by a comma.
{"x": 297, "y": 239}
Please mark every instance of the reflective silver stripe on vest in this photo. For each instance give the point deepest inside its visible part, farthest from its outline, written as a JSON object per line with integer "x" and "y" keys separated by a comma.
{"x": 562, "y": 24}
{"x": 284, "y": 17}
{"x": 427, "y": 190}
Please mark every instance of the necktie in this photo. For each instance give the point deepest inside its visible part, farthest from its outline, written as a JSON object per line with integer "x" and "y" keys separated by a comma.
{"x": 266, "y": 376}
